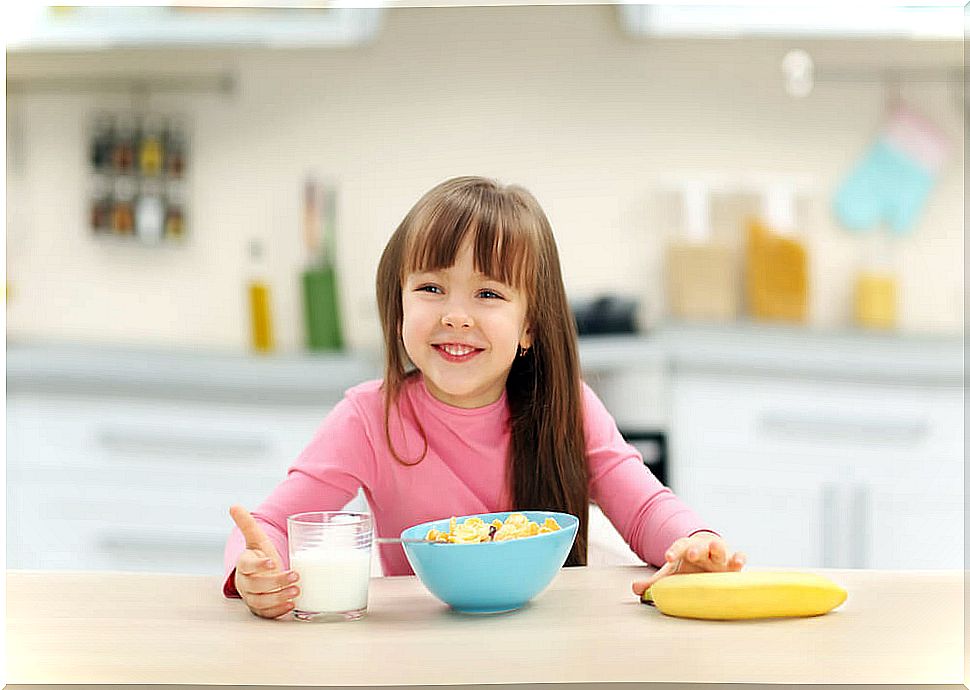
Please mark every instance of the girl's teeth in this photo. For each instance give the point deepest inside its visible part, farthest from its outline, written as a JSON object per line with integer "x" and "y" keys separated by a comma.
{"x": 456, "y": 351}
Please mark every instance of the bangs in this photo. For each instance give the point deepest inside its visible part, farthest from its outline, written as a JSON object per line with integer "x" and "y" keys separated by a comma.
{"x": 503, "y": 242}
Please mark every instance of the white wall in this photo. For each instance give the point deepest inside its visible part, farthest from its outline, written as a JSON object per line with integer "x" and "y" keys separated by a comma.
{"x": 555, "y": 98}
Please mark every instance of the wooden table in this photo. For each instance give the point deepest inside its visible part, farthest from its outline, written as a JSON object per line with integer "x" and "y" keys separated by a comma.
{"x": 132, "y": 628}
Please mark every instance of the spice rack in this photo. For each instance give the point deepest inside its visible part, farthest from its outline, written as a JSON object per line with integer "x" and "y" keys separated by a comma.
{"x": 137, "y": 164}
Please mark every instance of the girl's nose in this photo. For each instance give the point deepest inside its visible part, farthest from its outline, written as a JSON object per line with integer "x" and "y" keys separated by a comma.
{"x": 457, "y": 319}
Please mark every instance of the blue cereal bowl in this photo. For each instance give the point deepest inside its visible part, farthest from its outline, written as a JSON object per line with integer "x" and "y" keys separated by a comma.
{"x": 490, "y": 577}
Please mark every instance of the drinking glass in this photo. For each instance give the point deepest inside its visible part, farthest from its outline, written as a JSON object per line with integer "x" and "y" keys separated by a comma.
{"x": 331, "y": 551}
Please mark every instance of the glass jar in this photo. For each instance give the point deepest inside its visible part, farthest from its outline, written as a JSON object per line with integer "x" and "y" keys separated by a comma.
{"x": 123, "y": 148}
{"x": 102, "y": 143}
{"x": 174, "y": 214}
{"x": 150, "y": 152}
{"x": 123, "y": 214}
{"x": 149, "y": 213}
{"x": 174, "y": 147}
{"x": 101, "y": 204}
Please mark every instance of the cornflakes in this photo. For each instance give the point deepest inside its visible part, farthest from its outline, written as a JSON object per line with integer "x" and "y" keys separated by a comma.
{"x": 474, "y": 530}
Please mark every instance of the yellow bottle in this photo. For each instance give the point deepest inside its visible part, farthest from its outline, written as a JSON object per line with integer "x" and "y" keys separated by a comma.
{"x": 776, "y": 280}
{"x": 701, "y": 275}
{"x": 876, "y": 294}
{"x": 150, "y": 149}
{"x": 875, "y": 300}
{"x": 260, "y": 306}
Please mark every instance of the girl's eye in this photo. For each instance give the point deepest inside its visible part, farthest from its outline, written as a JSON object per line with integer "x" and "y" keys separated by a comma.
{"x": 434, "y": 289}
{"x": 490, "y": 294}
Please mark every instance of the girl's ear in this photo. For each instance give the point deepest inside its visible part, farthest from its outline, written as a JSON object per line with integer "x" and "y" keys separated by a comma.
{"x": 525, "y": 340}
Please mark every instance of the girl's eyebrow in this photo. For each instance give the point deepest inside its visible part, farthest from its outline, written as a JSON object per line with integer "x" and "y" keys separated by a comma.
{"x": 477, "y": 275}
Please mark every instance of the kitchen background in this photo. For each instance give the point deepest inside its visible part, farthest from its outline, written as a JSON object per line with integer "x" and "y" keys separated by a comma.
{"x": 782, "y": 343}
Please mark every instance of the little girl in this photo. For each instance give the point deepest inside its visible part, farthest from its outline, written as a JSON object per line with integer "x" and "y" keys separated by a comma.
{"x": 481, "y": 408}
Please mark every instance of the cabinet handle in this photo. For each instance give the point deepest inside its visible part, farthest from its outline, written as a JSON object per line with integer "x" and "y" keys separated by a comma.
{"x": 142, "y": 541}
{"x": 799, "y": 427}
{"x": 859, "y": 558}
{"x": 147, "y": 443}
{"x": 830, "y": 527}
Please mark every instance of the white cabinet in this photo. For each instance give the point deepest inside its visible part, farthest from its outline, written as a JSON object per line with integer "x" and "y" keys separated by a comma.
{"x": 116, "y": 483}
{"x": 124, "y": 460}
{"x": 774, "y": 517}
{"x": 809, "y": 473}
{"x": 84, "y": 28}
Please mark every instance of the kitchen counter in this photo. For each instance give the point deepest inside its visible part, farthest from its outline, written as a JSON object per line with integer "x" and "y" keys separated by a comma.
{"x": 767, "y": 349}
{"x": 204, "y": 375}
{"x": 304, "y": 378}
{"x": 127, "y": 628}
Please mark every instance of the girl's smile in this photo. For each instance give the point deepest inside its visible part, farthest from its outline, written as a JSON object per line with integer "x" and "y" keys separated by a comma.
{"x": 457, "y": 352}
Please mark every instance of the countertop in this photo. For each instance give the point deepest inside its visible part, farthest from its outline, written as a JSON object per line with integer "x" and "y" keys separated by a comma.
{"x": 744, "y": 348}
{"x": 777, "y": 350}
{"x": 186, "y": 374}
{"x": 127, "y": 628}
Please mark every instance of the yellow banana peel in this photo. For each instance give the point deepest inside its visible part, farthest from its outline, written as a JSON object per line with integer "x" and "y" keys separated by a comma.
{"x": 744, "y": 594}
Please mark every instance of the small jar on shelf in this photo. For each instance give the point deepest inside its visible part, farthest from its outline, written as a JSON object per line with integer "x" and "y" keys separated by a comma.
{"x": 123, "y": 212}
{"x": 174, "y": 211}
{"x": 151, "y": 154}
{"x": 123, "y": 148}
{"x": 102, "y": 143}
{"x": 100, "y": 198}
{"x": 173, "y": 141}
{"x": 149, "y": 212}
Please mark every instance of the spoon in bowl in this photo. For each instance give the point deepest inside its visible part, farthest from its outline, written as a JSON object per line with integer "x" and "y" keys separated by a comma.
{"x": 398, "y": 540}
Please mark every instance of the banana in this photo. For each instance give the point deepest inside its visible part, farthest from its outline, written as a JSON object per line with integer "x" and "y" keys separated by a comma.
{"x": 744, "y": 594}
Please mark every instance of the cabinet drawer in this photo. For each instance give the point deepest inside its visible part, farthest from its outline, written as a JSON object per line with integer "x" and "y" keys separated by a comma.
{"x": 821, "y": 422}
{"x": 138, "y": 495}
{"x": 146, "y": 519}
{"x": 117, "y": 433}
{"x": 103, "y": 545}
{"x": 823, "y": 474}
{"x": 113, "y": 483}
{"x": 910, "y": 529}
{"x": 143, "y": 518}
{"x": 815, "y": 518}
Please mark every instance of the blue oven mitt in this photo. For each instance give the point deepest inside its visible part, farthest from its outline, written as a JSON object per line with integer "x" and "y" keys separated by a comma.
{"x": 894, "y": 179}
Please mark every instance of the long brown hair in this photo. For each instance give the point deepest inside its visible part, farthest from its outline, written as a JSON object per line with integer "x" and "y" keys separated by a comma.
{"x": 513, "y": 243}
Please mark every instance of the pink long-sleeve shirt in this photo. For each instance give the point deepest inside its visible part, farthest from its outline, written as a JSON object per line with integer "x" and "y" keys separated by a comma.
{"x": 464, "y": 472}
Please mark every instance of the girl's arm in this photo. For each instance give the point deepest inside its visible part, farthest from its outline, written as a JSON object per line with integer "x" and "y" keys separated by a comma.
{"x": 325, "y": 476}
{"x": 645, "y": 512}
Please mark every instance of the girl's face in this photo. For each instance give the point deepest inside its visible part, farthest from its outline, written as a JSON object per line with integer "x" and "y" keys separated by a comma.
{"x": 462, "y": 330}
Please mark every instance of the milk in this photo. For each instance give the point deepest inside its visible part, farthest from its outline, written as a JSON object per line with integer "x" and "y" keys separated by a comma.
{"x": 332, "y": 579}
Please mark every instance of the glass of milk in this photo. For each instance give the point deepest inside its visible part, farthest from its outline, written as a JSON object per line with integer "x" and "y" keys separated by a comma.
{"x": 331, "y": 551}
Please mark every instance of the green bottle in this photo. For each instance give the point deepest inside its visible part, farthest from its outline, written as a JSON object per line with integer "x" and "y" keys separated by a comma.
{"x": 320, "y": 312}
{"x": 321, "y": 315}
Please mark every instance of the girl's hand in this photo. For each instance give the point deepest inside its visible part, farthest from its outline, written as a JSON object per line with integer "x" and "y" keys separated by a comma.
{"x": 260, "y": 580}
{"x": 700, "y": 552}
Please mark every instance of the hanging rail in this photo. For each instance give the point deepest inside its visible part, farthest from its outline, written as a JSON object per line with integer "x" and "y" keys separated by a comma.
{"x": 928, "y": 75}
{"x": 225, "y": 84}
